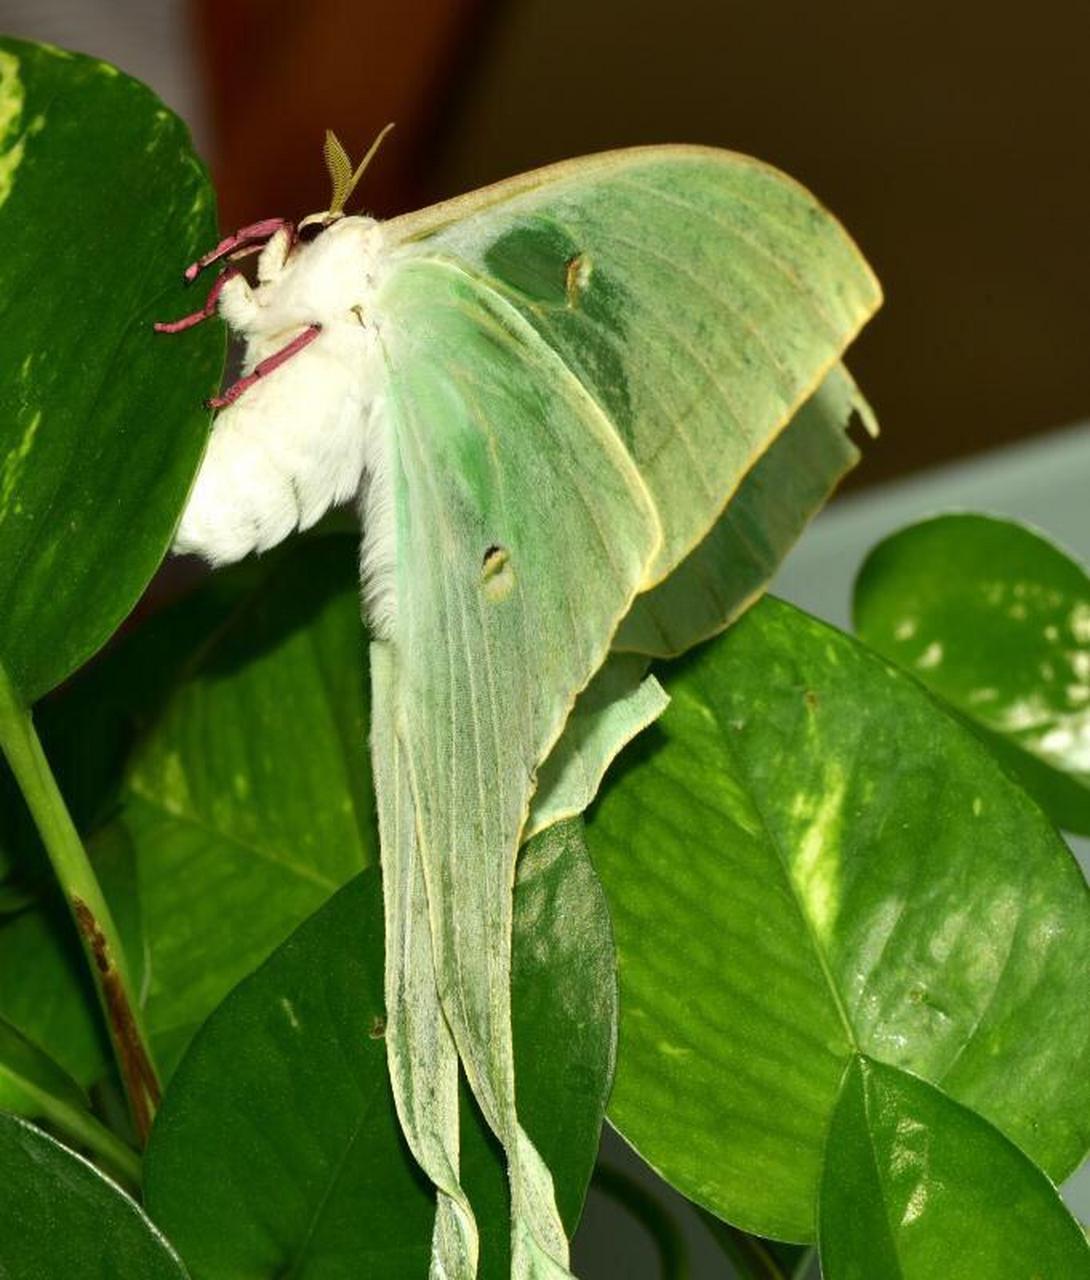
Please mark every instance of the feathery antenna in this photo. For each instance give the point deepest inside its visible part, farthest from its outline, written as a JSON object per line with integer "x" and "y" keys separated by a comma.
{"x": 341, "y": 176}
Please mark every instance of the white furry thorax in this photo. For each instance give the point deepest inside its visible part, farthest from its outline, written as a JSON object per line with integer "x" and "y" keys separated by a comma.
{"x": 329, "y": 280}
{"x": 312, "y": 433}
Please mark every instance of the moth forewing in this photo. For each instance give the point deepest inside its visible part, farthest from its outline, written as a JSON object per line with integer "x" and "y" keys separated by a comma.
{"x": 699, "y": 296}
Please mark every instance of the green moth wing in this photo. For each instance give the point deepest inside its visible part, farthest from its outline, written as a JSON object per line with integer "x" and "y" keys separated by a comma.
{"x": 417, "y": 1032}
{"x": 620, "y": 702}
{"x": 699, "y": 296}
{"x": 523, "y": 532}
{"x": 582, "y": 366}
{"x": 730, "y": 568}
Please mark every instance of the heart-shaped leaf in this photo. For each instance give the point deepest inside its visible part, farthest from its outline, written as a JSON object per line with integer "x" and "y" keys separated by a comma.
{"x": 278, "y": 1148}
{"x": 996, "y": 619}
{"x": 916, "y": 1186}
{"x": 102, "y": 204}
{"x": 806, "y": 858}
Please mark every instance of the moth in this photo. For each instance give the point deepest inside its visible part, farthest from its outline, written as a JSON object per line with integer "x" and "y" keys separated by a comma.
{"x": 542, "y": 397}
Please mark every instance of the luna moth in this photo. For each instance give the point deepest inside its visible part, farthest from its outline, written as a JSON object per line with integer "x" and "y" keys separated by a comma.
{"x": 542, "y": 396}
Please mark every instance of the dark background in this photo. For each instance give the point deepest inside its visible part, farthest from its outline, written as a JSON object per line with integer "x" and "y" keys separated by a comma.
{"x": 953, "y": 139}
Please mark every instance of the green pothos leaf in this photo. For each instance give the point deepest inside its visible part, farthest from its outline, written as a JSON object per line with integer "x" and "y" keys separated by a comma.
{"x": 60, "y": 1218}
{"x": 250, "y": 802}
{"x": 101, "y": 424}
{"x": 916, "y": 1186}
{"x": 807, "y": 858}
{"x": 278, "y": 1146}
{"x": 231, "y": 761}
{"x": 995, "y": 618}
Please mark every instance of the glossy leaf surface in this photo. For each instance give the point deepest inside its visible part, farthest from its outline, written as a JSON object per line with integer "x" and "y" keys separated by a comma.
{"x": 101, "y": 422}
{"x": 916, "y": 1186}
{"x": 61, "y": 1219}
{"x": 806, "y": 857}
{"x": 247, "y": 804}
{"x": 278, "y": 1148}
{"x": 996, "y": 619}
{"x": 251, "y": 801}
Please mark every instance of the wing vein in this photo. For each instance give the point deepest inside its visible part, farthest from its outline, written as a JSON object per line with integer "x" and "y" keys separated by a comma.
{"x": 677, "y": 269}
{"x": 784, "y": 268}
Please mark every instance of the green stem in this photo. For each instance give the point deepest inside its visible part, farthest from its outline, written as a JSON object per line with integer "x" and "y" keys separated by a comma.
{"x": 92, "y": 917}
{"x": 83, "y": 1129}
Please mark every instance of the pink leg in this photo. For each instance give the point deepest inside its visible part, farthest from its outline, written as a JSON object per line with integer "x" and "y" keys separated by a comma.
{"x": 266, "y": 367}
{"x": 209, "y": 308}
{"x": 246, "y": 240}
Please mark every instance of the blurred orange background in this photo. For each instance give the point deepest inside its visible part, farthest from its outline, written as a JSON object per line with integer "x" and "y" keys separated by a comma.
{"x": 952, "y": 139}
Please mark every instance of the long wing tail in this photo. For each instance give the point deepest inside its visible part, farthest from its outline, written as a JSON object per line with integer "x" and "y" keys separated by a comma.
{"x": 420, "y": 1049}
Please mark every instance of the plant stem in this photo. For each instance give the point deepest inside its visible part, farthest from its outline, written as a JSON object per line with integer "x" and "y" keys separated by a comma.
{"x": 92, "y": 917}
{"x": 83, "y": 1129}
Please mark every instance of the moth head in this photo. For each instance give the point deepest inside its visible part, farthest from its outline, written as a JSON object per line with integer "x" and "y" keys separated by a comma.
{"x": 343, "y": 180}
